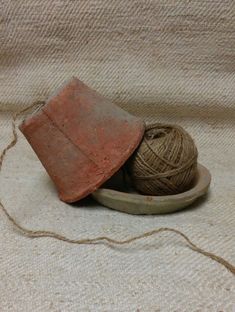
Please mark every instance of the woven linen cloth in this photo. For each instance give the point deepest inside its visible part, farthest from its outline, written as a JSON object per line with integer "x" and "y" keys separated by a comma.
{"x": 167, "y": 61}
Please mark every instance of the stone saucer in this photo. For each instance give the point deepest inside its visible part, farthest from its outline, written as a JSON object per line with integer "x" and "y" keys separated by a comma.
{"x": 116, "y": 195}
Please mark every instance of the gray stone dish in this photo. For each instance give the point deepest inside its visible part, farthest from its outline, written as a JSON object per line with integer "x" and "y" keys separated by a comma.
{"x": 118, "y": 195}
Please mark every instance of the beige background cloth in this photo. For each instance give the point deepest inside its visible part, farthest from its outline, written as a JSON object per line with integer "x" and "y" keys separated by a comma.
{"x": 164, "y": 60}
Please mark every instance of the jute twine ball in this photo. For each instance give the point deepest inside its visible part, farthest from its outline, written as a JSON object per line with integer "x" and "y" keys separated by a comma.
{"x": 165, "y": 163}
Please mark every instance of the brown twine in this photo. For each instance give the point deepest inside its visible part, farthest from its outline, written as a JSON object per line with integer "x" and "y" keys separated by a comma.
{"x": 37, "y": 234}
{"x": 165, "y": 162}
{"x": 14, "y": 132}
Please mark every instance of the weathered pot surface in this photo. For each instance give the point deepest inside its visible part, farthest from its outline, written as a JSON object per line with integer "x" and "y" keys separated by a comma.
{"x": 81, "y": 138}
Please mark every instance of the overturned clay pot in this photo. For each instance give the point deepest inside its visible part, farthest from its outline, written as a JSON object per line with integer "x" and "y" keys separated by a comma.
{"x": 81, "y": 139}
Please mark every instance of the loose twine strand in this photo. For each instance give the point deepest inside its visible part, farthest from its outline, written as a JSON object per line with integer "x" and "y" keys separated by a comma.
{"x": 38, "y": 234}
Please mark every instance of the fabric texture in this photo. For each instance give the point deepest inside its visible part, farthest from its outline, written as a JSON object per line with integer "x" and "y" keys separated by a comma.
{"x": 167, "y": 61}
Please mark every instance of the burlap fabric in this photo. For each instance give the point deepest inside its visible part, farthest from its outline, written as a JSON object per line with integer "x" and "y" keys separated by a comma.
{"x": 168, "y": 61}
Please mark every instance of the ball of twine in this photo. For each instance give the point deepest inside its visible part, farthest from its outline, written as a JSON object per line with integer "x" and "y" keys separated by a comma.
{"x": 165, "y": 163}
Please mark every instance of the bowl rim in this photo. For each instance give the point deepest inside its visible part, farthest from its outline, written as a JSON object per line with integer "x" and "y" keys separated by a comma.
{"x": 201, "y": 186}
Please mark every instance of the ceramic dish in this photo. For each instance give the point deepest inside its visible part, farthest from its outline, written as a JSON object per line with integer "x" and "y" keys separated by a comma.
{"x": 118, "y": 196}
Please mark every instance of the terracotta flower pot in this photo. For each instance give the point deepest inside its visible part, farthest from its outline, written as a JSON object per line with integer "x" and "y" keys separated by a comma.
{"x": 81, "y": 139}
